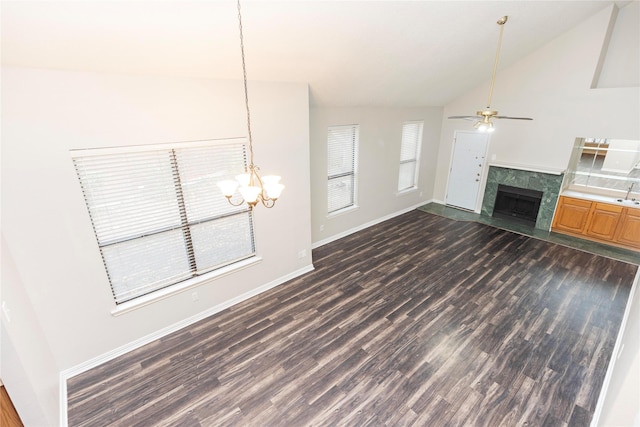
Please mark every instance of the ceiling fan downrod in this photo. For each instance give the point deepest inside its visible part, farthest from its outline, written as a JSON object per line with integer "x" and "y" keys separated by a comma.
{"x": 500, "y": 22}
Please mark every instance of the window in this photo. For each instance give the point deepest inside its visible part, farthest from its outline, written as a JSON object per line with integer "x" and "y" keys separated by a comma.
{"x": 607, "y": 166}
{"x": 410, "y": 155}
{"x": 342, "y": 165}
{"x": 158, "y": 215}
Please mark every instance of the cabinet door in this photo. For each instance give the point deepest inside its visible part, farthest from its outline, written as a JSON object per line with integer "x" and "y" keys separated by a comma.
{"x": 572, "y": 214}
{"x": 603, "y": 221}
{"x": 629, "y": 228}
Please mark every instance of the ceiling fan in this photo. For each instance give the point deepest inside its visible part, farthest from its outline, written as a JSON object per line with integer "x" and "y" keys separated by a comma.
{"x": 483, "y": 117}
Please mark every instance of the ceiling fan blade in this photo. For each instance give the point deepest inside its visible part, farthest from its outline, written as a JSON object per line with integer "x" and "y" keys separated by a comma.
{"x": 512, "y": 118}
{"x": 465, "y": 117}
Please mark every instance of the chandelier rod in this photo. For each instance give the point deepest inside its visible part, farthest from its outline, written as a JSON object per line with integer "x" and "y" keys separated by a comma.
{"x": 246, "y": 91}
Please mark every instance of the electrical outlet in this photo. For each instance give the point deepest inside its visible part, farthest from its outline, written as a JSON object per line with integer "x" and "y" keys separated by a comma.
{"x": 302, "y": 253}
{"x": 321, "y": 227}
{"x": 194, "y": 297}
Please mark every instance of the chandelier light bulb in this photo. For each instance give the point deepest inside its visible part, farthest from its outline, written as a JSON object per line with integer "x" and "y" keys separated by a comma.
{"x": 228, "y": 187}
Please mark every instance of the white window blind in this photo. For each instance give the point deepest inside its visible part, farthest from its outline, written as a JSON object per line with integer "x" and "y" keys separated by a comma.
{"x": 410, "y": 155}
{"x": 159, "y": 217}
{"x": 342, "y": 162}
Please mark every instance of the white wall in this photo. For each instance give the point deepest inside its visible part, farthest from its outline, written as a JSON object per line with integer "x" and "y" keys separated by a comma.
{"x": 553, "y": 86}
{"x": 621, "y": 67}
{"x": 621, "y": 405}
{"x": 378, "y": 165}
{"x": 28, "y": 368}
{"x": 46, "y": 225}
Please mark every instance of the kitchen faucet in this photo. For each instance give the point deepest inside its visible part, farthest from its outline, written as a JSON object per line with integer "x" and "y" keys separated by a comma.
{"x": 629, "y": 190}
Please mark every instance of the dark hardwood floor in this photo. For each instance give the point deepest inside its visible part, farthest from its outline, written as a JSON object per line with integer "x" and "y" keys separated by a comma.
{"x": 420, "y": 320}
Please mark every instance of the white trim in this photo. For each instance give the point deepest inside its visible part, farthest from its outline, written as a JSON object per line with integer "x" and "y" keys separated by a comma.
{"x": 615, "y": 353}
{"x": 343, "y": 211}
{"x": 366, "y": 225}
{"x": 406, "y": 191}
{"x": 112, "y": 354}
{"x": 540, "y": 169}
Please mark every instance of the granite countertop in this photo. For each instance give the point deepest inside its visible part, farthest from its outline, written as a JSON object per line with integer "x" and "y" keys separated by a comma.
{"x": 631, "y": 203}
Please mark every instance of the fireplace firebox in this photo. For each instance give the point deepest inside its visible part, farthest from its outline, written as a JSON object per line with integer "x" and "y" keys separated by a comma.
{"x": 518, "y": 204}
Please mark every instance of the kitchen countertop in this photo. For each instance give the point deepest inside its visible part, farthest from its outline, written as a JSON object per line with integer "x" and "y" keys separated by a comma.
{"x": 602, "y": 199}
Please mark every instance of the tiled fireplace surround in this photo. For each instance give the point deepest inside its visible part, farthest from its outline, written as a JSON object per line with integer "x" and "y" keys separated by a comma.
{"x": 548, "y": 183}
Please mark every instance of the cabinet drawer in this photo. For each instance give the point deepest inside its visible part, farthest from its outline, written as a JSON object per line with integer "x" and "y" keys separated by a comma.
{"x": 607, "y": 207}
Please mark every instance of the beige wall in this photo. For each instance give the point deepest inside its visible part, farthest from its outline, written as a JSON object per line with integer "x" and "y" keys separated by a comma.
{"x": 46, "y": 226}
{"x": 378, "y": 165}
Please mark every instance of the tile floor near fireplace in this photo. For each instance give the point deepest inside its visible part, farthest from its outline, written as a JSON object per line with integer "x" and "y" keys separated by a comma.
{"x": 527, "y": 230}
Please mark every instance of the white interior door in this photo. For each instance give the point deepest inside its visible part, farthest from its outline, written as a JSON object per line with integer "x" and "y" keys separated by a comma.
{"x": 469, "y": 151}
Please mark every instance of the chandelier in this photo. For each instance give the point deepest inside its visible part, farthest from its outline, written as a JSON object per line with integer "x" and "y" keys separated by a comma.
{"x": 253, "y": 188}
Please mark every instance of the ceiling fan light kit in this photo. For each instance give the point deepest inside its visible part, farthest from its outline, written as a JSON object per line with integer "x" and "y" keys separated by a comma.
{"x": 483, "y": 117}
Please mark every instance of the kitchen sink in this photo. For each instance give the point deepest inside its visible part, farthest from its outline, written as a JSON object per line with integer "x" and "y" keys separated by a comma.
{"x": 632, "y": 201}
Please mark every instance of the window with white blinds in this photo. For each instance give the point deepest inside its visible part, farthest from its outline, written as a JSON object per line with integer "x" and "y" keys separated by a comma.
{"x": 159, "y": 217}
{"x": 410, "y": 155}
{"x": 342, "y": 164}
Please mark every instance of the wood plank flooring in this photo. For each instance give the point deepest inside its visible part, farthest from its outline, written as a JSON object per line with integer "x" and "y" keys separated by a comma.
{"x": 417, "y": 321}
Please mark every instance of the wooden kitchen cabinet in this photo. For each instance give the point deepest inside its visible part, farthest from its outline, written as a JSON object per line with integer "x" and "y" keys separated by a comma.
{"x": 572, "y": 214}
{"x": 603, "y": 221}
{"x": 628, "y": 232}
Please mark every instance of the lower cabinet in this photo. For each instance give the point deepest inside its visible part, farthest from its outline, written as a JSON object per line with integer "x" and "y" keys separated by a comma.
{"x": 571, "y": 215}
{"x": 628, "y": 232}
{"x": 603, "y": 222}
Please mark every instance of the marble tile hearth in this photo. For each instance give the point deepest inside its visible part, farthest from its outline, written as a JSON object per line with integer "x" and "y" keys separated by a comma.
{"x": 548, "y": 183}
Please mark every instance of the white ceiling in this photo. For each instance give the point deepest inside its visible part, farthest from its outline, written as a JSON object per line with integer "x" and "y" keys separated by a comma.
{"x": 352, "y": 53}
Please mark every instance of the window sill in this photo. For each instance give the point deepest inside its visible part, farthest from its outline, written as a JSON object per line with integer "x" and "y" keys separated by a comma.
{"x": 343, "y": 211}
{"x": 161, "y": 294}
{"x": 407, "y": 191}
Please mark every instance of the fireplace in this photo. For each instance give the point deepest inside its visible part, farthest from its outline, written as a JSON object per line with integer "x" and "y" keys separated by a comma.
{"x": 519, "y": 204}
{"x": 548, "y": 182}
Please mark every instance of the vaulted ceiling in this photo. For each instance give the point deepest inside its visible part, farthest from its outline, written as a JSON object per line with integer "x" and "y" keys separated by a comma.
{"x": 352, "y": 53}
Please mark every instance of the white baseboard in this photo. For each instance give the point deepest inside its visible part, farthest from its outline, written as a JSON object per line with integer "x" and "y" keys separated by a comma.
{"x": 112, "y": 354}
{"x": 365, "y": 225}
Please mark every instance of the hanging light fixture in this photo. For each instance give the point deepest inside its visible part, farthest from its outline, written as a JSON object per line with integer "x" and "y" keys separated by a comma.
{"x": 253, "y": 188}
{"x": 483, "y": 117}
